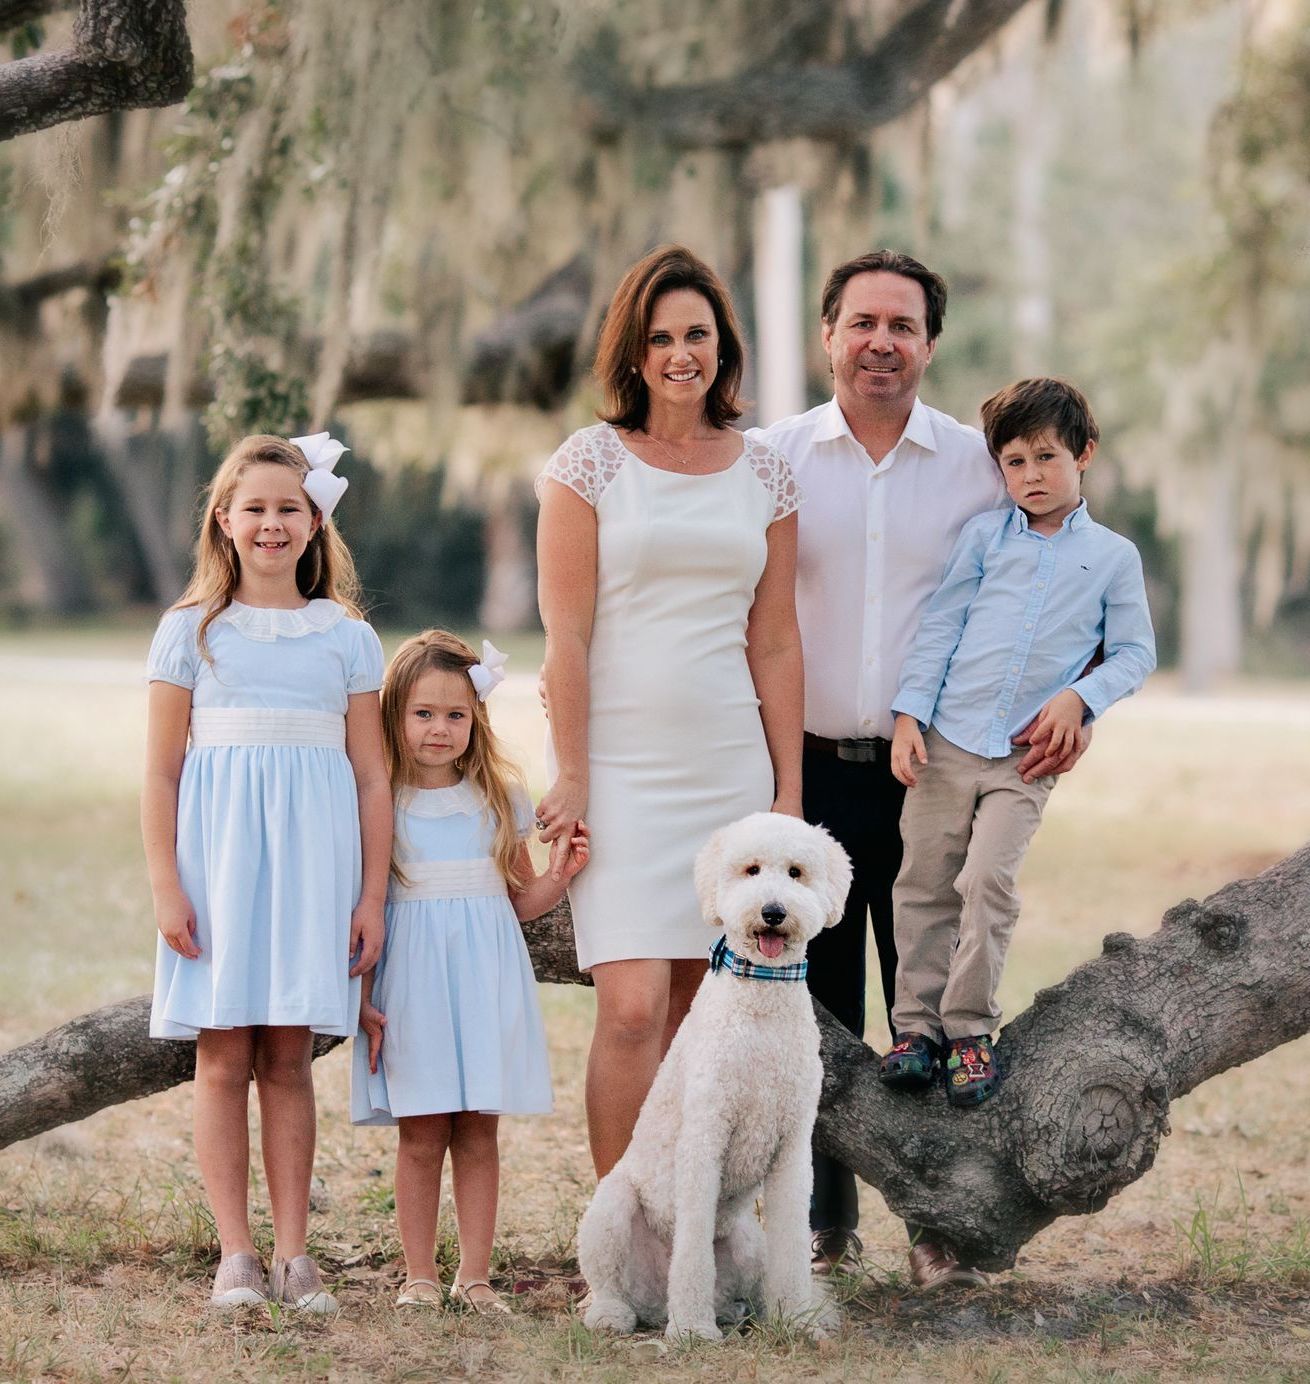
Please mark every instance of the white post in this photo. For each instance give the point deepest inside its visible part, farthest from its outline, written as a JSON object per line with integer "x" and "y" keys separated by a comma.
{"x": 779, "y": 286}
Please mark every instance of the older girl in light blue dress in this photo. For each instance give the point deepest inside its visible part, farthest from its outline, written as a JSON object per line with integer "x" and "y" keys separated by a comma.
{"x": 450, "y": 1032}
{"x": 267, "y": 821}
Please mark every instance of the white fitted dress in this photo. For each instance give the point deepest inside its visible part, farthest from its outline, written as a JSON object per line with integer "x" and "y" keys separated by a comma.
{"x": 675, "y": 739}
{"x": 268, "y": 844}
{"x": 464, "y": 1030}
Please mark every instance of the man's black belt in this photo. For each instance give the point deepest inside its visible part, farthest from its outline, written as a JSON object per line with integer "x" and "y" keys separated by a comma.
{"x": 873, "y": 751}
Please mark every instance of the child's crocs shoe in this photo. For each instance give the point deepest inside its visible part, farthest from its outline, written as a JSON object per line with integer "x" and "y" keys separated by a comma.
{"x": 971, "y": 1071}
{"x": 911, "y": 1064}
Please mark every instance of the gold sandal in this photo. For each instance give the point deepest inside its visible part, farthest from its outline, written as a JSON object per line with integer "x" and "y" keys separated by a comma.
{"x": 420, "y": 1292}
{"x": 495, "y": 1305}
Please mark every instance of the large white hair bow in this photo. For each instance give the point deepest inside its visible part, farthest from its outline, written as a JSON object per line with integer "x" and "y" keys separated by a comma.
{"x": 490, "y": 673}
{"x": 322, "y": 451}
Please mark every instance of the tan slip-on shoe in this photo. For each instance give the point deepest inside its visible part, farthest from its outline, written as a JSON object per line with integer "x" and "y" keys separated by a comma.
{"x": 239, "y": 1282}
{"x": 297, "y": 1283}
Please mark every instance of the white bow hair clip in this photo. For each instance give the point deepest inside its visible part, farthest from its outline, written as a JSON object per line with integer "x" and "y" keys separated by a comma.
{"x": 490, "y": 673}
{"x": 322, "y": 451}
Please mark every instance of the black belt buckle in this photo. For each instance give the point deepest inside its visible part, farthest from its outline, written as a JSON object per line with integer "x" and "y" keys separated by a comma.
{"x": 862, "y": 751}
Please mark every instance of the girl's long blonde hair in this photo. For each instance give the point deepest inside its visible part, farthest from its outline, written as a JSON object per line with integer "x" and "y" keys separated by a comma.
{"x": 325, "y": 569}
{"x": 483, "y": 763}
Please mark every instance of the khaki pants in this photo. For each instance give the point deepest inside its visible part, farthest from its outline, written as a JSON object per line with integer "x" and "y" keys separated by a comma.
{"x": 966, "y": 826}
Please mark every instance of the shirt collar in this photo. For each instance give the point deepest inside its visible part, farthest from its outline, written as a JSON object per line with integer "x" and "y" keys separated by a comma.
{"x": 1075, "y": 520}
{"x": 918, "y": 427}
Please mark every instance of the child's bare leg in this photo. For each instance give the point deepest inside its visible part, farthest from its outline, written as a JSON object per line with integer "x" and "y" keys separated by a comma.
{"x": 287, "y": 1129}
{"x": 419, "y": 1156}
{"x": 475, "y": 1172}
{"x": 221, "y": 1110}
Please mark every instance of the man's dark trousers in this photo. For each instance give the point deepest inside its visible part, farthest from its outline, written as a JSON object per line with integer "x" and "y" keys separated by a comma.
{"x": 860, "y": 804}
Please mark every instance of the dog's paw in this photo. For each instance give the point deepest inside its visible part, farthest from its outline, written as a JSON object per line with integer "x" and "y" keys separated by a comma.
{"x": 610, "y": 1314}
{"x": 706, "y": 1330}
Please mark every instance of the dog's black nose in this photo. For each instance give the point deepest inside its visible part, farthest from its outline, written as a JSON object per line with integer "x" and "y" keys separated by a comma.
{"x": 774, "y": 914}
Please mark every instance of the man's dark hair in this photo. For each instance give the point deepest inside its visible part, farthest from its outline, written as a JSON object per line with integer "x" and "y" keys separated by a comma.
{"x": 1030, "y": 407}
{"x": 888, "y": 262}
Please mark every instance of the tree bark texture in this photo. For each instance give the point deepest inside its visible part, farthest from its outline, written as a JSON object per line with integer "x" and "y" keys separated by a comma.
{"x": 834, "y": 101}
{"x": 1091, "y": 1067}
{"x": 125, "y": 54}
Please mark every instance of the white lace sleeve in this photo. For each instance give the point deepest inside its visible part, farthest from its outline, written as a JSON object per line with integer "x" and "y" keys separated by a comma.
{"x": 587, "y": 462}
{"x": 776, "y": 476}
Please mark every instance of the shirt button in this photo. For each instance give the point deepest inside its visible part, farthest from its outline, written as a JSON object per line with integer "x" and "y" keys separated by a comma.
{"x": 1028, "y": 625}
{"x": 1015, "y": 668}
{"x": 1041, "y": 586}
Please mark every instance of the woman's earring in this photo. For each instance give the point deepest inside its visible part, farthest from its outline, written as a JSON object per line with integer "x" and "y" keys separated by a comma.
{"x": 632, "y": 370}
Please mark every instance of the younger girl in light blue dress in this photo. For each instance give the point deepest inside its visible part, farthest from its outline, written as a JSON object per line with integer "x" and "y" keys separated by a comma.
{"x": 266, "y": 814}
{"x": 450, "y": 1032}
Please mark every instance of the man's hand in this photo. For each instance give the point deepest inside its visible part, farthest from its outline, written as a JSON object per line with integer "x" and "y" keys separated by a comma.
{"x": 907, "y": 746}
{"x": 1041, "y": 759}
{"x": 372, "y": 1020}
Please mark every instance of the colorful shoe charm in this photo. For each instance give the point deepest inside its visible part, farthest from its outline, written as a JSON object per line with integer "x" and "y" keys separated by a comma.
{"x": 971, "y": 1071}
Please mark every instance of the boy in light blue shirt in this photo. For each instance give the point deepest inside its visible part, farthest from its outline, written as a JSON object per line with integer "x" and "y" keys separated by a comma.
{"x": 1029, "y": 595}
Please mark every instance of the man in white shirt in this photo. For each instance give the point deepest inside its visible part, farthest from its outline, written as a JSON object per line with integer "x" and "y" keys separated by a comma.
{"x": 888, "y": 484}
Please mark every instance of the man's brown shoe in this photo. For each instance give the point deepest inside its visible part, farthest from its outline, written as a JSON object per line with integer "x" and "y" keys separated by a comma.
{"x": 934, "y": 1265}
{"x": 835, "y": 1250}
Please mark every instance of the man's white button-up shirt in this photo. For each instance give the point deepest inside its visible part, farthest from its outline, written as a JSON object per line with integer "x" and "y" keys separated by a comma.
{"x": 873, "y": 546}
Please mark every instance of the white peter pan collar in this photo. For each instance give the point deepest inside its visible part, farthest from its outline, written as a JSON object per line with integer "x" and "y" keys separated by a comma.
{"x": 266, "y": 623}
{"x": 463, "y": 799}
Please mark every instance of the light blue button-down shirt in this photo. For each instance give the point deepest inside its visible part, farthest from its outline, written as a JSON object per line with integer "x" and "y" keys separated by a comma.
{"x": 1016, "y": 619}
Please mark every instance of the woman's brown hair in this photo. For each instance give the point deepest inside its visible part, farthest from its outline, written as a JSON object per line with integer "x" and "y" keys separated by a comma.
{"x": 483, "y": 763}
{"x": 325, "y": 570}
{"x": 621, "y": 351}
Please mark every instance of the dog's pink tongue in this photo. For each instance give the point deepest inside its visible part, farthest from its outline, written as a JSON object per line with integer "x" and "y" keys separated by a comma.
{"x": 771, "y": 945}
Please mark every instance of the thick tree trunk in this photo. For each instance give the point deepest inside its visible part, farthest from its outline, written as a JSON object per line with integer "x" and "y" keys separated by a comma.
{"x": 1092, "y": 1067}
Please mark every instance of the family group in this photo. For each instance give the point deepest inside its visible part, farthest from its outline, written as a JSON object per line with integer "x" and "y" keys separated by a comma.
{"x": 870, "y": 616}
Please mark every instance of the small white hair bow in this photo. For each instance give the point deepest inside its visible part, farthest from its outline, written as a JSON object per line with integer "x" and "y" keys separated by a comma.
{"x": 322, "y": 451}
{"x": 490, "y": 673}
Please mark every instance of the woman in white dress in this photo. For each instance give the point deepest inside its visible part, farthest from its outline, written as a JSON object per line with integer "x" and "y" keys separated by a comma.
{"x": 667, "y": 552}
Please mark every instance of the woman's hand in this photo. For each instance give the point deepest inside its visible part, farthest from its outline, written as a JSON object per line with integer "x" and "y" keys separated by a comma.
{"x": 558, "y": 816}
{"x": 372, "y": 1020}
{"x": 176, "y": 920}
{"x": 789, "y": 804}
{"x": 563, "y": 807}
{"x": 367, "y": 930}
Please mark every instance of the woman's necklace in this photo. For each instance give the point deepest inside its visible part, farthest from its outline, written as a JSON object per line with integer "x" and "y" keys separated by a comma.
{"x": 666, "y": 449}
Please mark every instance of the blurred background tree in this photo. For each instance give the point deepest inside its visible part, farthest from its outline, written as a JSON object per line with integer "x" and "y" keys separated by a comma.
{"x": 403, "y": 221}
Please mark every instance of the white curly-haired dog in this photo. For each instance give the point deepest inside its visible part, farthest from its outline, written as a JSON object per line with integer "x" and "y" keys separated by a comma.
{"x": 672, "y": 1234}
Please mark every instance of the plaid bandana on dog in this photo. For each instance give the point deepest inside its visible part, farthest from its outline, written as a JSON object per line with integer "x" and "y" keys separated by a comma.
{"x": 722, "y": 957}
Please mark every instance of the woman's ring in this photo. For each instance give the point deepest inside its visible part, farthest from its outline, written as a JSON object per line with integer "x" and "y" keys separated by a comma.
{"x": 541, "y": 826}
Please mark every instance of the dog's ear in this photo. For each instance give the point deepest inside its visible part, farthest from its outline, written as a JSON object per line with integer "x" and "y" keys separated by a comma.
{"x": 837, "y": 883}
{"x": 707, "y": 878}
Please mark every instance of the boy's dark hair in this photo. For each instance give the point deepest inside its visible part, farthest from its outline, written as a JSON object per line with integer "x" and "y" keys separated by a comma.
{"x": 888, "y": 262}
{"x": 1030, "y": 407}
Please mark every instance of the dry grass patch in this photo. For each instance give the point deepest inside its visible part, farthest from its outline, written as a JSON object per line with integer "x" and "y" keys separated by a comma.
{"x": 1198, "y": 1271}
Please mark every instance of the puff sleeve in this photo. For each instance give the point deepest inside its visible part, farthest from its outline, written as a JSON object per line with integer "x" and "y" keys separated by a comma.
{"x": 174, "y": 654}
{"x": 367, "y": 664}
